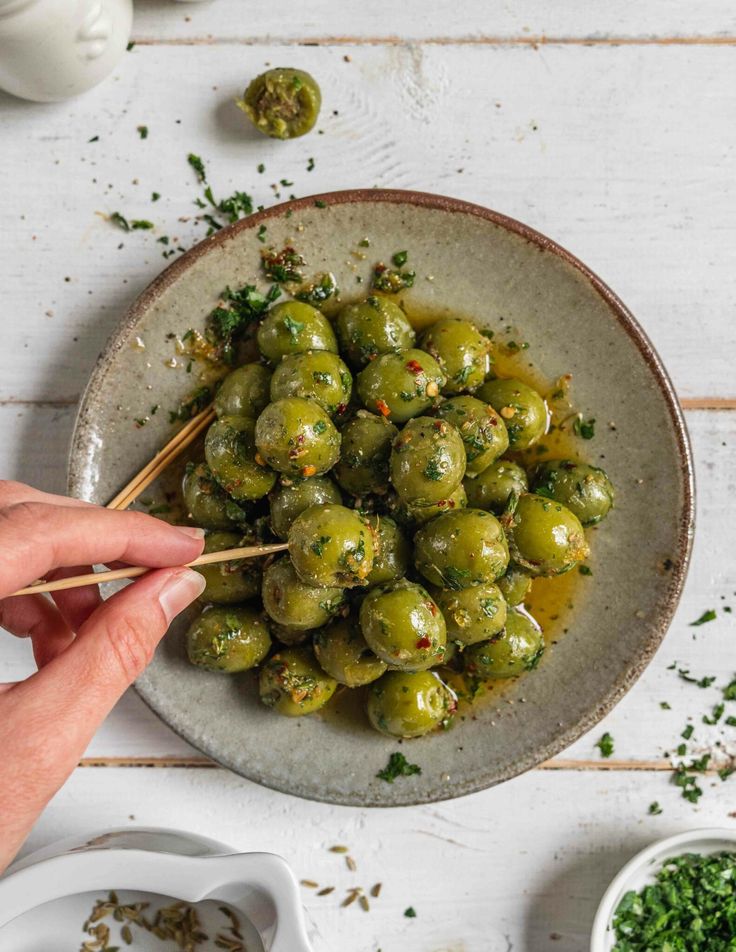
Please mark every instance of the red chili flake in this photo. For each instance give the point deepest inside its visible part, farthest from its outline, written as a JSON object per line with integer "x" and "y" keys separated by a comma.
{"x": 300, "y": 438}
{"x": 439, "y": 426}
{"x": 341, "y": 408}
{"x": 309, "y": 470}
{"x": 424, "y": 643}
{"x": 432, "y": 607}
{"x": 414, "y": 366}
{"x": 383, "y": 408}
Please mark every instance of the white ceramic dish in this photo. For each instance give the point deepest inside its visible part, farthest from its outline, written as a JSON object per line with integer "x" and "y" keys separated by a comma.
{"x": 641, "y": 870}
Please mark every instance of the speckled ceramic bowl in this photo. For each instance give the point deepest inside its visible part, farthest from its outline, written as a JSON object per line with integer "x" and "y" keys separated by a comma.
{"x": 475, "y": 262}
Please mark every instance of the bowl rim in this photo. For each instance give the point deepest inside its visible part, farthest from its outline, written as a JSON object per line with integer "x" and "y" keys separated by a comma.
{"x": 626, "y": 320}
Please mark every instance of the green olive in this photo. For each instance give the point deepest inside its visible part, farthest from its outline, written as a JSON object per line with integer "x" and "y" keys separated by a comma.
{"x": 515, "y": 585}
{"x": 515, "y": 650}
{"x": 294, "y": 328}
{"x": 228, "y": 639}
{"x": 493, "y": 488}
{"x": 372, "y": 327}
{"x": 403, "y": 626}
{"x": 585, "y": 490}
{"x": 544, "y": 536}
{"x": 229, "y": 582}
{"x": 417, "y": 515}
{"x": 332, "y": 545}
{"x": 230, "y": 449}
{"x": 472, "y": 614}
{"x": 461, "y": 350}
{"x": 364, "y": 454}
{"x": 292, "y": 497}
{"x": 289, "y": 636}
{"x": 206, "y": 502}
{"x": 293, "y": 684}
{"x": 523, "y": 410}
{"x": 343, "y": 653}
{"x": 391, "y": 559}
{"x": 297, "y": 437}
{"x": 289, "y": 602}
{"x": 409, "y": 704}
{"x": 482, "y": 430}
{"x": 427, "y": 461}
{"x": 244, "y": 392}
{"x": 316, "y": 375}
{"x": 282, "y": 103}
{"x": 400, "y": 386}
{"x": 461, "y": 549}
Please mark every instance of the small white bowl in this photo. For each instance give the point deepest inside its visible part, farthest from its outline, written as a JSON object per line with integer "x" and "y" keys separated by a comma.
{"x": 642, "y": 869}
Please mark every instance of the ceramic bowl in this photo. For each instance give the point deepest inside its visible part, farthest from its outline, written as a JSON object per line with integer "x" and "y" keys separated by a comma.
{"x": 477, "y": 263}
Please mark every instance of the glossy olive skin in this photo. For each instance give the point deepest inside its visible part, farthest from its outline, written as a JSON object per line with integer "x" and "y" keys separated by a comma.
{"x": 403, "y": 626}
{"x": 417, "y": 515}
{"x": 482, "y": 430}
{"x": 228, "y": 639}
{"x": 409, "y": 704}
{"x": 372, "y": 327}
{"x": 515, "y": 650}
{"x": 585, "y": 490}
{"x": 282, "y": 103}
{"x": 289, "y": 636}
{"x": 229, "y": 582}
{"x": 297, "y": 437}
{"x": 291, "y": 603}
{"x": 427, "y": 461}
{"x": 493, "y": 488}
{"x": 332, "y": 545}
{"x": 461, "y": 350}
{"x": 545, "y": 538}
{"x": 317, "y": 375}
{"x": 294, "y": 328}
{"x": 515, "y": 585}
{"x": 343, "y": 653}
{"x": 364, "y": 454}
{"x": 289, "y": 499}
{"x": 206, "y": 502}
{"x": 472, "y": 614}
{"x": 392, "y": 555}
{"x": 461, "y": 549}
{"x": 293, "y": 684}
{"x": 522, "y": 409}
{"x": 244, "y": 392}
{"x": 230, "y": 450}
{"x": 400, "y": 386}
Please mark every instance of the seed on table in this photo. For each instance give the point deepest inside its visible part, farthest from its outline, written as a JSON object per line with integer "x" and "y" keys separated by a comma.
{"x": 326, "y": 891}
{"x": 338, "y": 849}
{"x": 376, "y": 891}
{"x": 309, "y": 883}
{"x": 364, "y": 904}
{"x": 351, "y": 864}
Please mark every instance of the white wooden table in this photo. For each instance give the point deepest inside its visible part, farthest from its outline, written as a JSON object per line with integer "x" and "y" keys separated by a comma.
{"x": 609, "y": 127}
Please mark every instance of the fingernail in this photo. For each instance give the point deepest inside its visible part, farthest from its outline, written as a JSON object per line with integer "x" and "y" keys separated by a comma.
{"x": 192, "y": 531}
{"x": 180, "y": 591}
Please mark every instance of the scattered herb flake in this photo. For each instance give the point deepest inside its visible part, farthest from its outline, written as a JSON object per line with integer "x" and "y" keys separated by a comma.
{"x": 688, "y": 732}
{"x": 584, "y": 428}
{"x": 585, "y": 570}
{"x": 410, "y": 913}
{"x": 94, "y": 139}
{"x": 117, "y": 219}
{"x": 708, "y": 615}
{"x": 398, "y": 766}
{"x": 310, "y": 164}
{"x": 605, "y": 745}
{"x": 198, "y": 165}
{"x": 155, "y": 196}
{"x": 399, "y": 259}
{"x": 654, "y": 808}
{"x": 143, "y": 132}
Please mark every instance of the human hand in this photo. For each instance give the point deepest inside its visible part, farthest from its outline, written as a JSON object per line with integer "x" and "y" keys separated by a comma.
{"x": 87, "y": 651}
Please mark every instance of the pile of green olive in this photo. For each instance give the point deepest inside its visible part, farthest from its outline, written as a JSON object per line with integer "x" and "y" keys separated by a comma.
{"x": 393, "y": 467}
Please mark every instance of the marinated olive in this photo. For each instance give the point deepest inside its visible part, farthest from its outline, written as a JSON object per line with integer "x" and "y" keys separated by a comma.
{"x": 482, "y": 430}
{"x": 343, "y": 653}
{"x": 290, "y": 498}
{"x": 230, "y": 448}
{"x": 493, "y": 488}
{"x": 472, "y": 614}
{"x": 516, "y": 649}
{"x": 289, "y": 636}
{"x": 297, "y": 437}
{"x": 206, "y": 502}
{"x": 409, "y": 704}
{"x": 332, "y": 545}
{"x": 229, "y": 582}
{"x": 294, "y": 328}
{"x": 403, "y": 626}
{"x": 289, "y": 602}
{"x": 427, "y": 461}
{"x": 317, "y": 375}
{"x": 400, "y": 386}
{"x": 544, "y": 536}
{"x": 391, "y": 558}
{"x": 585, "y": 490}
{"x": 293, "y": 684}
{"x": 461, "y": 549}
{"x": 418, "y": 515}
{"x": 515, "y": 585}
{"x": 364, "y": 454}
{"x": 461, "y": 350}
{"x": 228, "y": 639}
{"x": 244, "y": 392}
{"x": 372, "y": 327}
{"x": 523, "y": 410}
{"x": 282, "y": 103}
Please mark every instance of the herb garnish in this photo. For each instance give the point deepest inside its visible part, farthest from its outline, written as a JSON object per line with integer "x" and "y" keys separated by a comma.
{"x": 391, "y": 281}
{"x": 654, "y": 808}
{"x": 198, "y": 165}
{"x": 398, "y": 766}
{"x": 708, "y": 615}
{"x": 584, "y": 428}
{"x": 143, "y": 132}
{"x": 605, "y": 745}
{"x": 410, "y": 913}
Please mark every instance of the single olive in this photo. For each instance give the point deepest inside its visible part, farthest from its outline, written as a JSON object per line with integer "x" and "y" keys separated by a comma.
{"x": 289, "y": 602}
{"x": 417, "y": 515}
{"x": 403, "y": 626}
{"x": 461, "y": 549}
{"x": 229, "y": 582}
{"x": 493, "y": 488}
{"x": 461, "y": 350}
{"x": 585, "y": 490}
{"x": 372, "y": 327}
{"x": 391, "y": 558}
{"x": 343, "y": 653}
{"x": 472, "y": 614}
{"x": 482, "y": 430}
{"x": 244, "y": 392}
{"x": 230, "y": 449}
{"x": 523, "y": 410}
{"x": 409, "y": 704}
{"x": 228, "y": 639}
{"x": 292, "y": 497}
{"x": 297, "y": 437}
{"x": 289, "y": 636}
{"x": 364, "y": 454}
{"x": 427, "y": 461}
{"x": 516, "y": 649}
{"x": 544, "y": 536}
{"x": 317, "y": 375}
{"x": 294, "y": 328}
{"x": 282, "y": 103}
{"x": 206, "y": 502}
{"x": 515, "y": 585}
{"x": 293, "y": 684}
{"x": 400, "y": 386}
{"x": 332, "y": 545}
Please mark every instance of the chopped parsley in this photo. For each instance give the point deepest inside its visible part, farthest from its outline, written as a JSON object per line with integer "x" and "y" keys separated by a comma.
{"x": 198, "y": 165}
{"x": 261, "y": 235}
{"x": 310, "y": 164}
{"x": 143, "y": 132}
{"x": 191, "y": 407}
{"x": 716, "y": 715}
{"x": 585, "y": 570}
{"x": 729, "y": 692}
{"x": 320, "y": 204}
{"x": 94, "y": 139}
{"x": 688, "y": 732}
{"x": 709, "y": 615}
{"x": 399, "y": 259}
{"x": 398, "y": 766}
{"x": 410, "y": 913}
{"x": 391, "y": 281}
{"x": 282, "y": 266}
{"x": 319, "y": 291}
{"x": 704, "y": 682}
{"x": 605, "y": 745}
{"x": 584, "y": 428}
{"x": 654, "y": 809}
{"x": 155, "y": 196}
{"x": 261, "y": 168}
{"x": 433, "y": 470}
